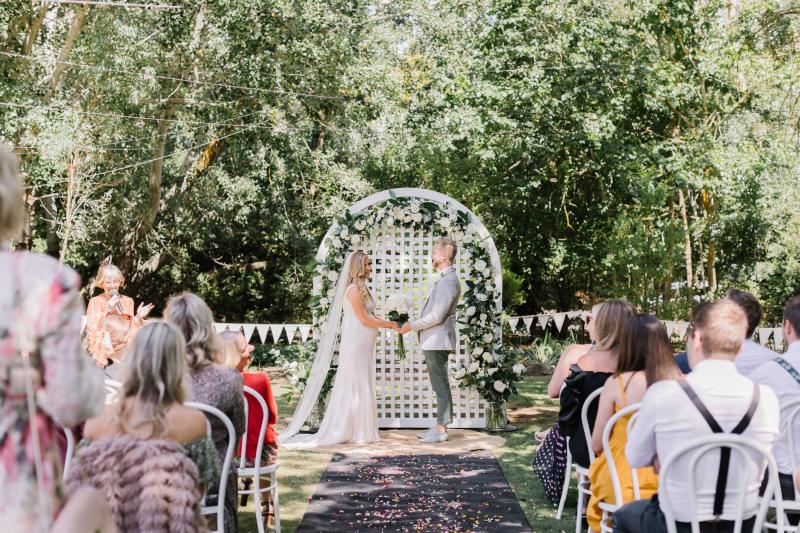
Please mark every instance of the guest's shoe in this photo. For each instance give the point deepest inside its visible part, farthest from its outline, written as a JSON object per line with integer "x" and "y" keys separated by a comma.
{"x": 427, "y": 433}
{"x": 435, "y": 437}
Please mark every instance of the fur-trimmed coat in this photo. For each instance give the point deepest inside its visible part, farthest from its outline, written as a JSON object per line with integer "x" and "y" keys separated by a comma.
{"x": 150, "y": 485}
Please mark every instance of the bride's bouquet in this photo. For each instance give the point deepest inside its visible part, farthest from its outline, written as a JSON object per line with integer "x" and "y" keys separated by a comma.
{"x": 398, "y": 306}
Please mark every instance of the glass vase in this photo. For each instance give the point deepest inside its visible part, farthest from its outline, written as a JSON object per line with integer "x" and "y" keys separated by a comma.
{"x": 496, "y": 416}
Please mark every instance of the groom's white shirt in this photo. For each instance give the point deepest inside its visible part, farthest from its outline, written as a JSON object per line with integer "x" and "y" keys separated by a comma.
{"x": 437, "y": 324}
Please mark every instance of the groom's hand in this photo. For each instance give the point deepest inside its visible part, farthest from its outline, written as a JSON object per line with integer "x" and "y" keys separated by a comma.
{"x": 405, "y": 329}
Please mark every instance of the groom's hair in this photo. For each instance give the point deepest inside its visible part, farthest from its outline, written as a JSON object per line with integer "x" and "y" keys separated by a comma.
{"x": 449, "y": 245}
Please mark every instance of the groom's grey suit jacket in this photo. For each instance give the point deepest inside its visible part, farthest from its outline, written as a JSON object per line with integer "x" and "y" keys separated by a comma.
{"x": 437, "y": 323}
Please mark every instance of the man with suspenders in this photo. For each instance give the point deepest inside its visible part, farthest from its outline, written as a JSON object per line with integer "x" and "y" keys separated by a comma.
{"x": 782, "y": 375}
{"x": 713, "y": 398}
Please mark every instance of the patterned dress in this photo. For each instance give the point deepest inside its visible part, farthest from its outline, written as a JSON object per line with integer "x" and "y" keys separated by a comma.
{"x": 40, "y": 308}
{"x": 221, "y": 387}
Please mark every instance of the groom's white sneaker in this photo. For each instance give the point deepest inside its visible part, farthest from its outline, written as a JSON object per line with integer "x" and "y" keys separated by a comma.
{"x": 435, "y": 437}
{"x": 431, "y": 431}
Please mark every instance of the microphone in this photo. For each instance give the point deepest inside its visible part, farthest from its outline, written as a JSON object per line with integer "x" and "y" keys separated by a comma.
{"x": 114, "y": 301}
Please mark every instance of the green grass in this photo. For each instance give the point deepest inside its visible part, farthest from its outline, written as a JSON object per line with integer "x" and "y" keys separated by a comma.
{"x": 300, "y": 471}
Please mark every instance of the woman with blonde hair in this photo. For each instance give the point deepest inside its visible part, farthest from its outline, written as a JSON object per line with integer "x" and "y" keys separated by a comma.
{"x": 352, "y": 412}
{"x": 46, "y": 380}
{"x": 212, "y": 382}
{"x": 149, "y": 429}
{"x": 110, "y": 302}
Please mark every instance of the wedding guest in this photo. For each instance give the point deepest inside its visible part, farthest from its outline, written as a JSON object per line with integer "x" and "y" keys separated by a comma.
{"x": 212, "y": 382}
{"x": 683, "y": 358}
{"x": 782, "y": 375}
{"x": 645, "y": 357}
{"x": 150, "y": 431}
{"x": 44, "y": 370}
{"x": 571, "y": 354}
{"x": 670, "y": 417}
{"x": 110, "y": 279}
{"x": 117, "y": 333}
{"x": 753, "y": 354}
{"x": 589, "y": 374}
{"x": 237, "y": 355}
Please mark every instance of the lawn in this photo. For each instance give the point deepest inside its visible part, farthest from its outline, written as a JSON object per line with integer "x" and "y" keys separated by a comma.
{"x": 301, "y": 470}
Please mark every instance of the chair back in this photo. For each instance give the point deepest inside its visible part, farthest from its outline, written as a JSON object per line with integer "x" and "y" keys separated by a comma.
{"x": 262, "y": 431}
{"x": 218, "y": 509}
{"x": 789, "y": 412}
{"x": 612, "y": 464}
{"x": 587, "y": 431}
{"x": 70, "y": 449}
{"x": 741, "y": 447}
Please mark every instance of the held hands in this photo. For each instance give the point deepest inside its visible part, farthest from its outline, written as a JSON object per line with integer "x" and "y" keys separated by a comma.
{"x": 405, "y": 329}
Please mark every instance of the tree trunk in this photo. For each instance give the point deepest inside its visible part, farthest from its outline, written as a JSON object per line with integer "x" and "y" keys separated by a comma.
{"x": 33, "y": 30}
{"x": 66, "y": 48}
{"x": 73, "y": 188}
{"x": 687, "y": 242}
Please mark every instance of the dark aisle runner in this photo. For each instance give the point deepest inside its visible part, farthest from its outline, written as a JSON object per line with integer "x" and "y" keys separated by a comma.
{"x": 441, "y": 493}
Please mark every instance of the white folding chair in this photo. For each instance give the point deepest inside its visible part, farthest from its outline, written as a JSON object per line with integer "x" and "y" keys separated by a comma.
{"x": 584, "y": 490}
{"x": 608, "y": 508}
{"x": 257, "y": 471}
{"x": 789, "y": 412}
{"x": 741, "y": 460}
{"x": 219, "y": 508}
{"x": 70, "y": 449}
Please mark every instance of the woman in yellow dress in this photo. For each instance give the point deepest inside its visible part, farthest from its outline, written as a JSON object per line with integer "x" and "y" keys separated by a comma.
{"x": 645, "y": 357}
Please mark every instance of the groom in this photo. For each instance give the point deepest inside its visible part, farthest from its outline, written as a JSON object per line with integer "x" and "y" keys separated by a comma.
{"x": 436, "y": 328}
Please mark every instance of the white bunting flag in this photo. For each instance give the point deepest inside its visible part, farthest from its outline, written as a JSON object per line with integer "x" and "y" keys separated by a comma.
{"x": 763, "y": 335}
{"x": 248, "y": 331}
{"x": 262, "y": 332}
{"x": 574, "y": 314}
{"x": 305, "y": 331}
{"x": 276, "y": 330}
{"x": 219, "y": 326}
{"x": 528, "y": 321}
{"x": 778, "y": 337}
{"x": 670, "y": 327}
{"x": 680, "y": 328}
{"x": 290, "y": 331}
{"x": 513, "y": 322}
{"x": 543, "y": 320}
{"x": 558, "y": 319}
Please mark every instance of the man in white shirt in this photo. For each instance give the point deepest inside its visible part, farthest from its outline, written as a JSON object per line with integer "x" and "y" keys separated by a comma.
{"x": 668, "y": 419}
{"x": 753, "y": 354}
{"x": 782, "y": 375}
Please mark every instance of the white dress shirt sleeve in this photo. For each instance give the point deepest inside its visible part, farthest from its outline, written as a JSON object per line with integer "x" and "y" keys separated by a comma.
{"x": 641, "y": 447}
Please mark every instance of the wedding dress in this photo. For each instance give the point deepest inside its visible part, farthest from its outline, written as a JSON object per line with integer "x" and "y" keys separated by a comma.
{"x": 351, "y": 415}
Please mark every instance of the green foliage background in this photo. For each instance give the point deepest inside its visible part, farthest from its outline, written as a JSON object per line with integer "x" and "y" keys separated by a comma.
{"x": 613, "y": 148}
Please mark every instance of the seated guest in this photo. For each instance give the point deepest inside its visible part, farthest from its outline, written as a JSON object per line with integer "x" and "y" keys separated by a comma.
{"x": 117, "y": 333}
{"x": 589, "y": 374}
{"x": 782, "y": 375}
{"x": 48, "y": 376}
{"x": 550, "y": 461}
{"x": 753, "y": 354}
{"x": 645, "y": 357}
{"x": 150, "y": 431}
{"x": 110, "y": 302}
{"x": 670, "y": 417}
{"x": 212, "y": 382}
{"x": 683, "y": 358}
{"x": 237, "y": 355}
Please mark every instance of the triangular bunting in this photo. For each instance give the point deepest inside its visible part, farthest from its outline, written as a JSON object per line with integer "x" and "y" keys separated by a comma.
{"x": 262, "y": 332}
{"x": 574, "y": 314}
{"x": 248, "y": 331}
{"x": 543, "y": 320}
{"x": 558, "y": 319}
{"x": 528, "y": 321}
{"x": 778, "y": 337}
{"x": 680, "y": 328}
{"x": 669, "y": 325}
{"x": 290, "y": 331}
{"x": 276, "y": 330}
{"x": 513, "y": 322}
{"x": 305, "y": 331}
{"x": 763, "y": 335}
{"x": 219, "y": 326}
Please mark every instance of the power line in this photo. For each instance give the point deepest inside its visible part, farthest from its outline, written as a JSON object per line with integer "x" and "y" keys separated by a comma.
{"x": 182, "y": 80}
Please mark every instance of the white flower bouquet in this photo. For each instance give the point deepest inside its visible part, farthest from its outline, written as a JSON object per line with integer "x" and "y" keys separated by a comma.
{"x": 398, "y": 307}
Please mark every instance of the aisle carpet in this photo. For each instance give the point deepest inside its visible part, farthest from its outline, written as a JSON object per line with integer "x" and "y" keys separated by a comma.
{"x": 442, "y": 493}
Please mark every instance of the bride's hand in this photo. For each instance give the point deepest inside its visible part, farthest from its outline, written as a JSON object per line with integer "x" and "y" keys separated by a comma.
{"x": 388, "y": 324}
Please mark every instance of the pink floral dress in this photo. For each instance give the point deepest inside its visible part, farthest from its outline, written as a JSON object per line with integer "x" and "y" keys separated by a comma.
{"x": 39, "y": 301}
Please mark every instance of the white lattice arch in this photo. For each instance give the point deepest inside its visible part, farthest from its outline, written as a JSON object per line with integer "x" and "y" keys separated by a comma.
{"x": 401, "y": 263}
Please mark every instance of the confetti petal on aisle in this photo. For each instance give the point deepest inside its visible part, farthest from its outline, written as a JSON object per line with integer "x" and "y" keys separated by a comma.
{"x": 408, "y": 493}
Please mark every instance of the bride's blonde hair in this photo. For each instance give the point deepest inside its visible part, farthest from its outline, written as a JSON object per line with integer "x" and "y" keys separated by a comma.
{"x": 358, "y": 277}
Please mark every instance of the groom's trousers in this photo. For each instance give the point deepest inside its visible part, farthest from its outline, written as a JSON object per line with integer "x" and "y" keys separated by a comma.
{"x": 436, "y": 360}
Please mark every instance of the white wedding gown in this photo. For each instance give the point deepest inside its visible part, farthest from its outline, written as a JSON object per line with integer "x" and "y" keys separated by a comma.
{"x": 352, "y": 414}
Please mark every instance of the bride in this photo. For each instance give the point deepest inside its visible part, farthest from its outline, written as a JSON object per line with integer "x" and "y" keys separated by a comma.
{"x": 351, "y": 415}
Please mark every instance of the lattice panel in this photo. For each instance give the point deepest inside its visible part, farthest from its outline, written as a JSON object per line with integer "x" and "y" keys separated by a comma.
{"x": 401, "y": 263}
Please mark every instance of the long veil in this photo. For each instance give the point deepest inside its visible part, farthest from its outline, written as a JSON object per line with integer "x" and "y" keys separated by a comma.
{"x": 322, "y": 359}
